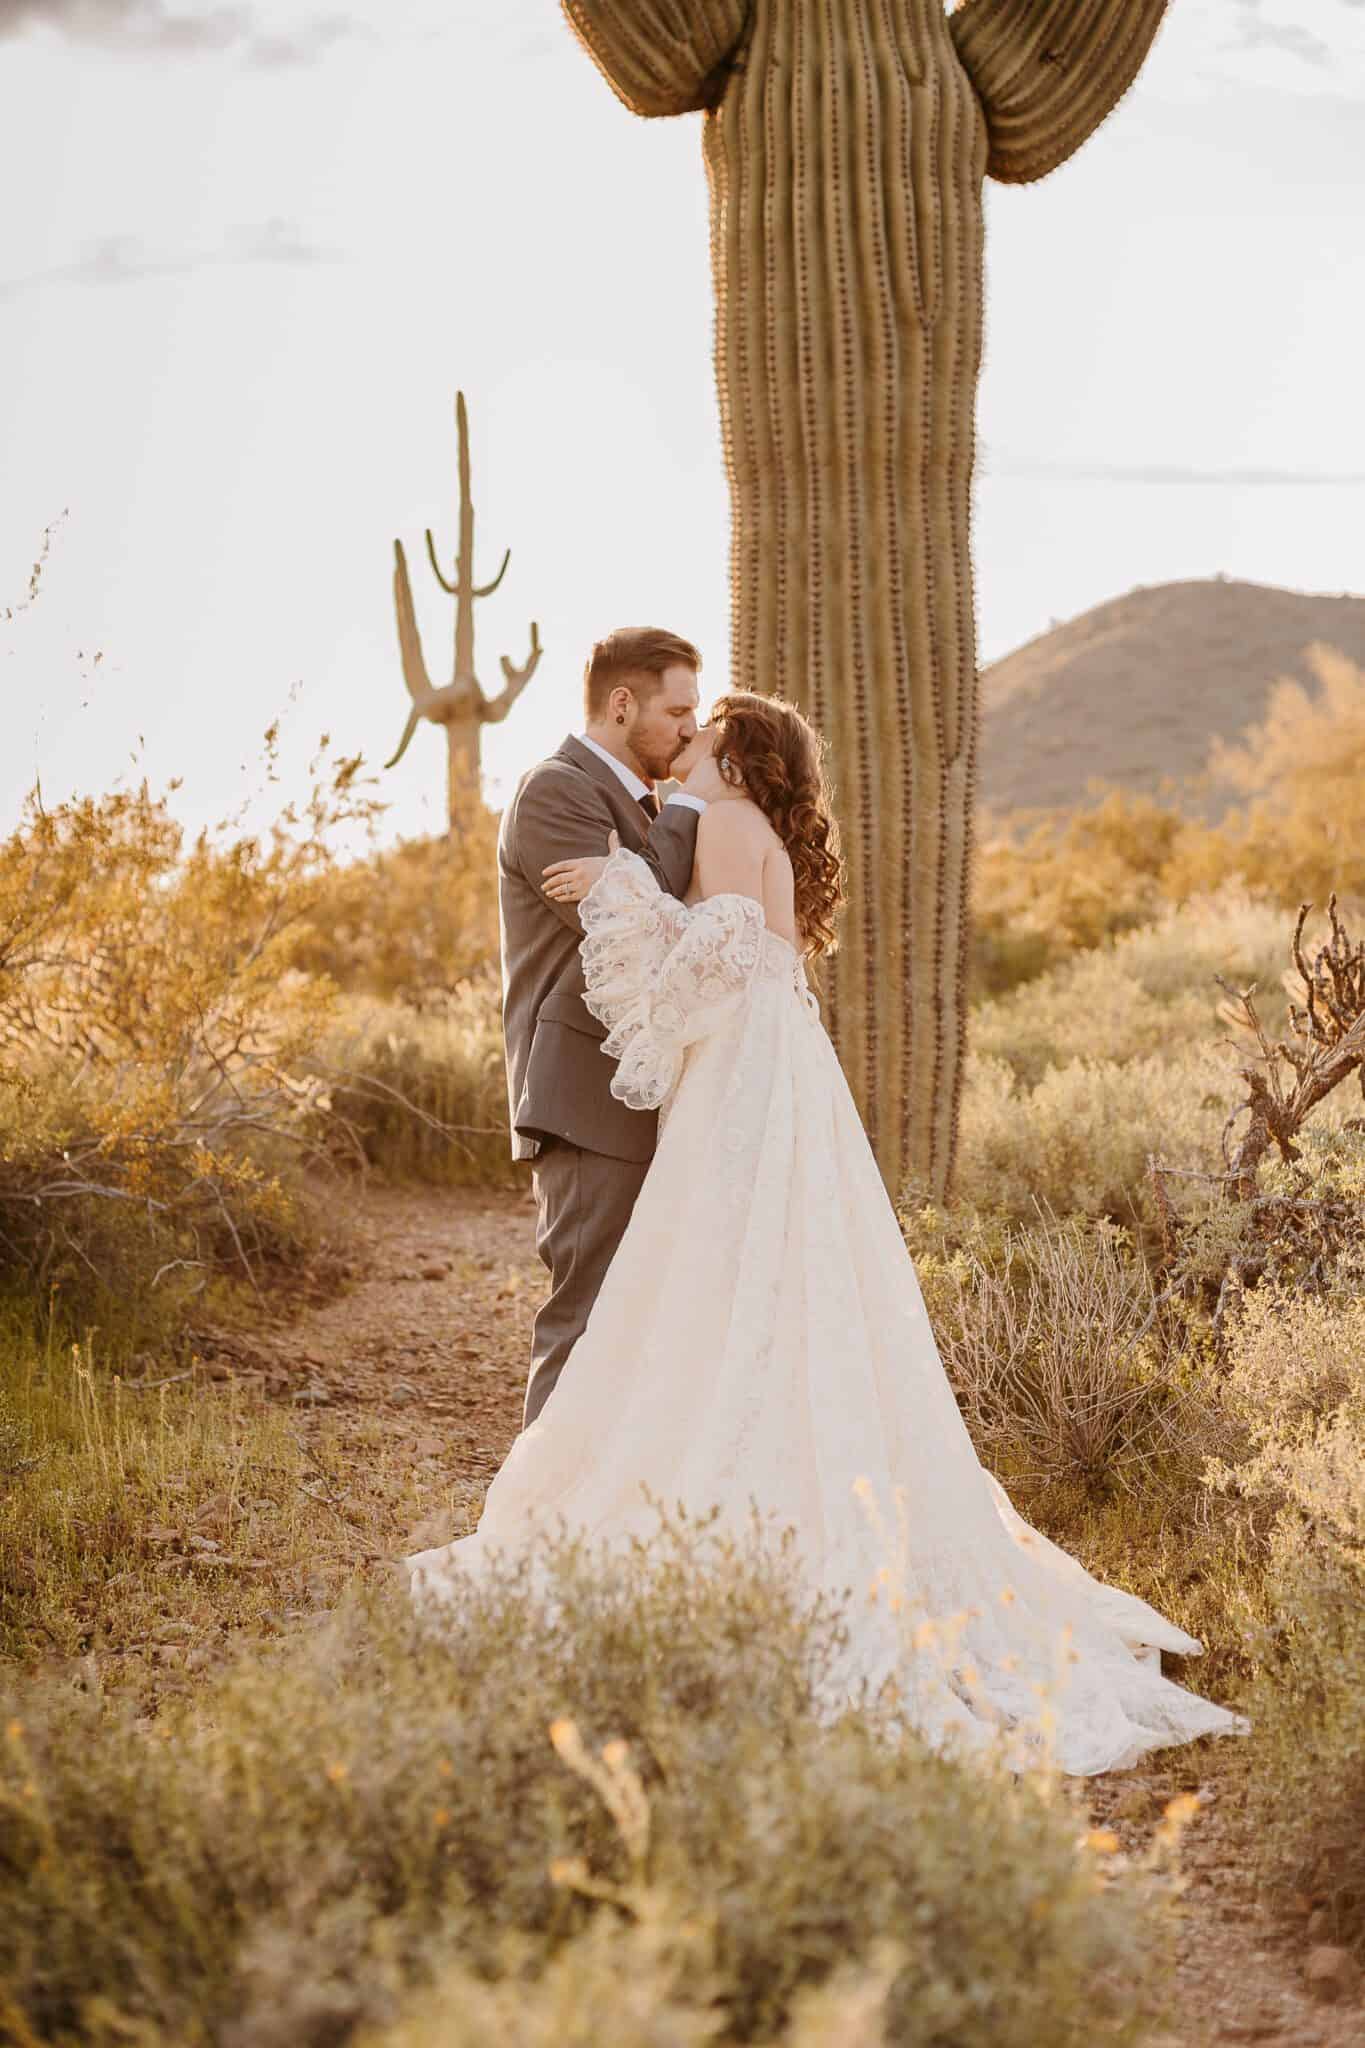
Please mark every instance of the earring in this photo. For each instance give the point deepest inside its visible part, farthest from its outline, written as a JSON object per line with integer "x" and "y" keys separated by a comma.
{"x": 620, "y": 718}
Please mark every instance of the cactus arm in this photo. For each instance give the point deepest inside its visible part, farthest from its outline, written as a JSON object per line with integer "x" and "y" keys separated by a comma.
{"x": 410, "y": 648}
{"x": 449, "y": 588}
{"x": 661, "y": 56}
{"x": 453, "y": 589}
{"x": 414, "y": 720}
{"x": 487, "y": 589}
{"x": 497, "y": 708}
{"x": 1047, "y": 72}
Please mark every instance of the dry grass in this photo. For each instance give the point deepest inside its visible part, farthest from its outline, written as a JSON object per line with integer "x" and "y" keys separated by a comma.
{"x": 1297, "y": 1377}
{"x": 422, "y": 1094}
{"x": 148, "y": 1517}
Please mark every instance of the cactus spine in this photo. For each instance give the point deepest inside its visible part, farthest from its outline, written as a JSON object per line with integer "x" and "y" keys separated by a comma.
{"x": 459, "y": 705}
{"x": 846, "y": 145}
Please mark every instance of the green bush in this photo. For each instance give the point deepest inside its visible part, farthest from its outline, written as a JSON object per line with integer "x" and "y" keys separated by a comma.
{"x": 553, "y": 1782}
{"x": 1150, "y": 991}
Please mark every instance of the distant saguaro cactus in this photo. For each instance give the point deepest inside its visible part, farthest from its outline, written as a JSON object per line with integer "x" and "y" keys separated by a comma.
{"x": 459, "y": 705}
{"x": 846, "y": 146}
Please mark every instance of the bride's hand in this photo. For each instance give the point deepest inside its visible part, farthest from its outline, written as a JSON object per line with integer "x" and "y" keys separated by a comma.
{"x": 568, "y": 881}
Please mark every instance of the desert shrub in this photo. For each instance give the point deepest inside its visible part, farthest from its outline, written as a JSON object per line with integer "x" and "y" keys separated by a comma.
{"x": 1061, "y": 1362}
{"x": 1301, "y": 832}
{"x": 1296, "y": 1370}
{"x": 173, "y": 1047}
{"x": 1053, "y": 886}
{"x": 1151, "y": 990}
{"x": 1077, "y": 1142}
{"x": 421, "y": 1094}
{"x": 152, "y": 1021}
{"x": 342, "y": 1822}
{"x": 410, "y": 922}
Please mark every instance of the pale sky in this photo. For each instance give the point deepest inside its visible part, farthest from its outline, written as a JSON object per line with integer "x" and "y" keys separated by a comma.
{"x": 250, "y": 253}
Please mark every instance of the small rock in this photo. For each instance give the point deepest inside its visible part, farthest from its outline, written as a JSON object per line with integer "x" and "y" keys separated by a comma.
{"x": 314, "y": 1395}
{"x": 435, "y": 1272}
{"x": 1331, "y": 1973}
{"x": 428, "y": 1446}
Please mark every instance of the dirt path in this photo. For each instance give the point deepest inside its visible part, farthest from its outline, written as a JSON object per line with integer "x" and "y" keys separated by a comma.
{"x": 413, "y": 1381}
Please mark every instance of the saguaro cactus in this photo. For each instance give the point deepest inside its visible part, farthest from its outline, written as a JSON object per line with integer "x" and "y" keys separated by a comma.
{"x": 846, "y": 146}
{"x": 459, "y": 705}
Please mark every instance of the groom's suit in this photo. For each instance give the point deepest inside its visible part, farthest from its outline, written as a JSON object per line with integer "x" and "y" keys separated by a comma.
{"x": 588, "y": 1152}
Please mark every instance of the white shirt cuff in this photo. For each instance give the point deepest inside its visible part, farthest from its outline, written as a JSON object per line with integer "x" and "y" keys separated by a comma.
{"x": 680, "y": 796}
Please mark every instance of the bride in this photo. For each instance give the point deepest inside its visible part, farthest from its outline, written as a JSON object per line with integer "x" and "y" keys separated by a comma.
{"x": 760, "y": 1342}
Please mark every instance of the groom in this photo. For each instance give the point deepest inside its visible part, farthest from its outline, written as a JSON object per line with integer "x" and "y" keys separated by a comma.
{"x": 588, "y": 1152}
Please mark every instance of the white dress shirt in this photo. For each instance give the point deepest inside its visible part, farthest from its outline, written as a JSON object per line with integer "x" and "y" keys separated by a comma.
{"x": 631, "y": 781}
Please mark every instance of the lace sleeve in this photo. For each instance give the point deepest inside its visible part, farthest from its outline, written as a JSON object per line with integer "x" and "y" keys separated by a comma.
{"x": 661, "y": 976}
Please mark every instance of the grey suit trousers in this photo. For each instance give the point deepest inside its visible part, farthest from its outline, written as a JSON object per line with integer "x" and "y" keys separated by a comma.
{"x": 584, "y": 1201}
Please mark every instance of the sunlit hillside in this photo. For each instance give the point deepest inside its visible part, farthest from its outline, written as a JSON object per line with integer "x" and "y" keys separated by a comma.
{"x": 1133, "y": 692}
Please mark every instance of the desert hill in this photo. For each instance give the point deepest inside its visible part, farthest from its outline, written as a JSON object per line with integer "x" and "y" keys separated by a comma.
{"x": 1134, "y": 691}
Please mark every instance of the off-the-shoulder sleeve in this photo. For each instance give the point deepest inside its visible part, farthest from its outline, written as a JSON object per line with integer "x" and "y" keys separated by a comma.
{"x": 661, "y": 976}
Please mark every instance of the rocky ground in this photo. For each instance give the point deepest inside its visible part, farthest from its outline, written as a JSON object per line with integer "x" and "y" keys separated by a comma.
{"x": 410, "y": 1382}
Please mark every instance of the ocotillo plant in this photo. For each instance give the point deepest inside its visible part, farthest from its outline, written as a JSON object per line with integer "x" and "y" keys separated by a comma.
{"x": 846, "y": 146}
{"x": 459, "y": 705}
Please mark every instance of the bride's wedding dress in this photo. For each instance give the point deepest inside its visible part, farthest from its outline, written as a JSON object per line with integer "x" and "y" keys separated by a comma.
{"x": 760, "y": 1339}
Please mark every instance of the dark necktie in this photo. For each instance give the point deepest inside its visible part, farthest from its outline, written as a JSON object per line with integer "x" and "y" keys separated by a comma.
{"x": 649, "y": 804}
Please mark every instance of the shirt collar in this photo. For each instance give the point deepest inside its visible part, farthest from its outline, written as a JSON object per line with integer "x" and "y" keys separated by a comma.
{"x": 626, "y": 776}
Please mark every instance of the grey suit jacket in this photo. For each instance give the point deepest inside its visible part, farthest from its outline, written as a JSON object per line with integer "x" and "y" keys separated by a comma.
{"x": 558, "y": 1079}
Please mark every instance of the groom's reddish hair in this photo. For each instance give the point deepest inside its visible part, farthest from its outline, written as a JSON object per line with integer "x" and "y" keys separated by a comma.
{"x": 635, "y": 656}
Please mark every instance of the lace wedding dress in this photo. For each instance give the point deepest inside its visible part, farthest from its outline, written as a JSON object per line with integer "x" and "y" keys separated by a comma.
{"x": 760, "y": 1341}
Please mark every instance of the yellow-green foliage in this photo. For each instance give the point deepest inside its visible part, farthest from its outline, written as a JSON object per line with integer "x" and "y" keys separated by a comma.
{"x": 1068, "y": 882}
{"x": 1301, "y": 832}
{"x": 412, "y": 922}
{"x": 1150, "y": 991}
{"x": 1078, "y": 1141}
{"x": 1297, "y": 1376}
{"x": 1118, "y": 1056}
{"x": 173, "y": 1040}
{"x": 152, "y": 1024}
{"x": 331, "y": 1828}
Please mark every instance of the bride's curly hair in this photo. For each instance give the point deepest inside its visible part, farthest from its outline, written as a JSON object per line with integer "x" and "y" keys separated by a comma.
{"x": 766, "y": 747}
